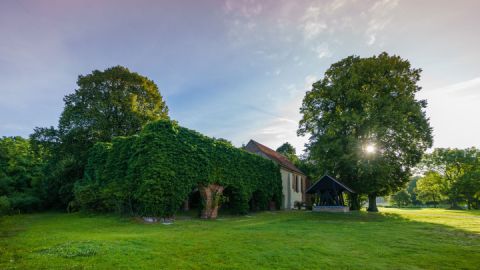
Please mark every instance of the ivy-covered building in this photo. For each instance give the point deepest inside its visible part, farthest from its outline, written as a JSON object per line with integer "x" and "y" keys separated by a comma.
{"x": 294, "y": 181}
{"x": 153, "y": 173}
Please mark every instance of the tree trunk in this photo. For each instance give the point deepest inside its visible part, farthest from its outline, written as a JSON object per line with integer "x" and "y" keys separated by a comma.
{"x": 186, "y": 205}
{"x": 354, "y": 202}
{"x": 372, "y": 203}
{"x": 454, "y": 204}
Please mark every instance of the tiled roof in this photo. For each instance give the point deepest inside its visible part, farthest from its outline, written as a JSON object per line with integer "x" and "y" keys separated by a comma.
{"x": 277, "y": 157}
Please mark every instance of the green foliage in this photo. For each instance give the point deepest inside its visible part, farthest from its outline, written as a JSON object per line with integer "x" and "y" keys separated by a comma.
{"x": 310, "y": 168}
{"x": 429, "y": 188}
{"x": 457, "y": 172}
{"x": 288, "y": 151}
{"x": 109, "y": 103}
{"x": 402, "y": 198}
{"x": 364, "y": 101}
{"x": 20, "y": 175}
{"x": 468, "y": 185}
{"x": 24, "y": 202}
{"x": 411, "y": 188}
{"x": 4, "y": 205}
{"x": 152, "y": 173}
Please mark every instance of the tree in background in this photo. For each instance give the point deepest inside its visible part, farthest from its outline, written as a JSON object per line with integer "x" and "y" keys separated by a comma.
{"x": 429, "y": 188}
{"x": 401, "y": 198}
{"x": 411, "y": 190}
{"x": 469, "y": 186}
{"x": 109, "y": 103}
{"x": 20, "y": 176}
{"x": 288, "y": 151}
{"x": 457, "y": 169}
{"x": 367, "y": 101}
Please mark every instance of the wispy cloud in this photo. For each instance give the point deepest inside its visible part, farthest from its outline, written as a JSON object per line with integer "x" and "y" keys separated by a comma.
{"x": 469, "y": 87}
{"x": 282, "y": 124}
{"x": 313, "y": 23}
{"x": 322, "y": 51}
{"x": 379, "y": 14}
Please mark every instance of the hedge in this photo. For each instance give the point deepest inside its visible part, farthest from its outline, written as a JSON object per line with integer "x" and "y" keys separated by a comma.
{"x": 154, "y": 172}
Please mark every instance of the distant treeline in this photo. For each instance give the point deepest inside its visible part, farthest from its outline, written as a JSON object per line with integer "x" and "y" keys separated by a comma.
{"x": 449, "y": 176}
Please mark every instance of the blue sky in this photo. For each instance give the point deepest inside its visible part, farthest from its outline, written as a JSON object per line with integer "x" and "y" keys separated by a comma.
{"x": 236, "y": 69}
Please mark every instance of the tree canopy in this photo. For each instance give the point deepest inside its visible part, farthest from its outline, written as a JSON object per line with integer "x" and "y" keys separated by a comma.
{"x": 21, "y": 176}
{"x": 429, "y": 188}
{"x": 402, "y": 198}
{"x": 367, "y": 104}
{"x": 288, "y": 151}
{"x": 457, "y": 171}
{"x": 106, "y": 104}
{"x": 109, "y": 103}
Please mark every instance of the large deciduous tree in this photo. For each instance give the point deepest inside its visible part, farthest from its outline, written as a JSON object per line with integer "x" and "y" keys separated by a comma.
{"x": 109, "y": 103}
{"x": 367, "y": 101}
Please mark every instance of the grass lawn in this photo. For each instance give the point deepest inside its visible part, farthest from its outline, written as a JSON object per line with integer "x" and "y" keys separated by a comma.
{"x": 393, "y": 239}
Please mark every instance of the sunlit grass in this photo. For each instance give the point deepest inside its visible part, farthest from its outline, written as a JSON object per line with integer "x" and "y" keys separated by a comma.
{"x": 393, "y": 239}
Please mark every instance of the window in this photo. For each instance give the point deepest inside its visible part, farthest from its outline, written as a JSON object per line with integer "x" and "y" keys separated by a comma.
{"x": 290, "y": 177}
{"x": 302, "y": 187}
{"x": 297, "y": 183}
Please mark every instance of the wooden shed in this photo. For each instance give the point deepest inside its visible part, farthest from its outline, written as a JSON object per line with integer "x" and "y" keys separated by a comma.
{"x": 330, "y": 194}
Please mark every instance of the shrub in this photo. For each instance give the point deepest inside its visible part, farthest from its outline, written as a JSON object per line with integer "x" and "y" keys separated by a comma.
{"x": 4, "y": 205}
{"x": 24, "y": 202}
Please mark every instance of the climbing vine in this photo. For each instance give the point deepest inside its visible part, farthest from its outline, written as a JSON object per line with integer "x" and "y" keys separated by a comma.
{"x": 152, "y": 173}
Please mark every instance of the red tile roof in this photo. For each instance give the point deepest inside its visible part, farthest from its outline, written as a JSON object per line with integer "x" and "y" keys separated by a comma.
{"x": 277, "y": 157}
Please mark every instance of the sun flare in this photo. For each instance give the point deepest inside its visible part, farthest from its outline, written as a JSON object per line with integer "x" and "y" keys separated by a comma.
{"x": 370, "y": 149}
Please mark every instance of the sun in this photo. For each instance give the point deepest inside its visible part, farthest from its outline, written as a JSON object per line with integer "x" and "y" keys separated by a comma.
{"x": 370, "y": 149}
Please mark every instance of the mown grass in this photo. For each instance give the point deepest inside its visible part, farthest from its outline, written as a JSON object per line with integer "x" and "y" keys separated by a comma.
{"x": 393, "y": 239}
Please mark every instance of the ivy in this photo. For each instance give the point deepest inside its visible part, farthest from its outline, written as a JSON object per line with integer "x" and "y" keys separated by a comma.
{"x": 154, "y": 172}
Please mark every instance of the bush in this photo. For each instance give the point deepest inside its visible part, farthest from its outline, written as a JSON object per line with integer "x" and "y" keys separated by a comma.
{"x": 4, "y": 205}
{"x": 20, "y": 174}
{"x": 24, "y": 202}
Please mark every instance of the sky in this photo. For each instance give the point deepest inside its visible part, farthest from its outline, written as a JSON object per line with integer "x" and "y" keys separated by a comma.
{"x": 237, "y": 69}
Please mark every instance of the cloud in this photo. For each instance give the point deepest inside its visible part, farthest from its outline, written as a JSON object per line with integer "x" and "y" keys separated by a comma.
{"x": 322, "y": 51}
{"x": 313, "y": 23}
{"x": 379, "y": 14}
{"x": 337, "y": 4}
{"x": 245, "y": 8}
{"x": 311, "y": 27}
{"x": 282, "y": 124}
{"x": 309, "y": 80}
{"x": 469, "y": 87}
